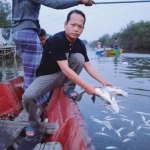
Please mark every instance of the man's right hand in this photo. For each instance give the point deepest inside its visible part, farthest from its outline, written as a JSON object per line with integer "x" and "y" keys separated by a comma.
{"x": 87, "y": 2}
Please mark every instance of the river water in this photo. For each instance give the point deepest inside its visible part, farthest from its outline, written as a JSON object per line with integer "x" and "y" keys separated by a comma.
{"x": 130, "y": 128}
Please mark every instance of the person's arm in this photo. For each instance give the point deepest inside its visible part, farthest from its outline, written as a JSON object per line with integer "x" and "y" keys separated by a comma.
{"x": 63, "y": 4}
{"x": 94, "y": 73}
{"x": 90, "y": 89}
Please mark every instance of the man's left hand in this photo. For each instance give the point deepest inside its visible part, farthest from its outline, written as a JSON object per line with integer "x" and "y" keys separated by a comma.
{"x": 107, "y": 84}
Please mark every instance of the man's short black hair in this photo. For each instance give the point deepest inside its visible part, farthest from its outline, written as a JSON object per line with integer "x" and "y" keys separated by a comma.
{"x": 76, "y": 12}
{"x": 43, "y": 33}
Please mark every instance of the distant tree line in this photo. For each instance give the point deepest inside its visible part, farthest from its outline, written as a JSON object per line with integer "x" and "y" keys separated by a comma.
{"x": 134, "y": 38}
{"x": 5, "y": 14}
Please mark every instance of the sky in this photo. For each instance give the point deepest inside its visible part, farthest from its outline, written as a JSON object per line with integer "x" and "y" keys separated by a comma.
{"x": 100, "y": 19}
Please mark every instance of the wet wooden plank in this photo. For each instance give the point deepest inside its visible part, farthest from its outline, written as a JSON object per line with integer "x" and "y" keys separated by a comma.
{"x": 48, "y": 146}
{"x": 51, "y": 127}
{"x": 9, "y": 132}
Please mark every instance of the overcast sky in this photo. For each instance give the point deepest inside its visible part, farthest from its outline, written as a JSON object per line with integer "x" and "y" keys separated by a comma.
{"x": 101, "y": 19}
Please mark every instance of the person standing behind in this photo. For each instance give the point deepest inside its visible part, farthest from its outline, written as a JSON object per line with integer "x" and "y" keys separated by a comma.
{"x": 98, "y": 45}
{"x": 43, "y": 37}
{"x": 26, "y": 28}
{"x": 63, "y": 59}
{"x": 116, "y": 43}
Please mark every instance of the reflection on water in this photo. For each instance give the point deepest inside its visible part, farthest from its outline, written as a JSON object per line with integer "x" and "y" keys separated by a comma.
{"x": 9, "y": 68}
{"x": 130, "y": 128}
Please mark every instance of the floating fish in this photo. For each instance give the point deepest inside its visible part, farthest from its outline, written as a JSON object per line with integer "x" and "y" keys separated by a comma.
{"x": 126, "y": 140}
{"x": 131, "y": 134}
{"x": 115, "y": 90}
{"x": 107, "y": 117}
{"x": 101, "y": 133}
{"x": 144, "y": 119}
{"x": 111, "y": 147}
{"x": 104, "y": 111}
{"x": 138, "y": 128}
{"x": 142, "y": 113}
{"x": 106, "y": 123}
{"x": 110, "y": 118}
{"x": 103, "y": 128}
{"x": 123, "y": 116}
{"x": 131, "y": 121}
{"x": 118, "y": 131}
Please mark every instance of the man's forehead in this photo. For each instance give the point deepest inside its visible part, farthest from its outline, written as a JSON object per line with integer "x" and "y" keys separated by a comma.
{"x": 75, "y": 15}
{"x": 74, "y": 18}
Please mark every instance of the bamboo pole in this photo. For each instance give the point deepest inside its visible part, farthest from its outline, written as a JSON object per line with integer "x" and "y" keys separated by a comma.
{"x": 119, "y": 2}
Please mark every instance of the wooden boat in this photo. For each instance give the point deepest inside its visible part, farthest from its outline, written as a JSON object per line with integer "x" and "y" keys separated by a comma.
{"x": 72, "y": 132}
{"x": 114, "y": 51}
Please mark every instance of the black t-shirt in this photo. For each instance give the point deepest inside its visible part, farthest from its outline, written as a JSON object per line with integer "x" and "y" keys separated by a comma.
{"x": 56, "y": 49}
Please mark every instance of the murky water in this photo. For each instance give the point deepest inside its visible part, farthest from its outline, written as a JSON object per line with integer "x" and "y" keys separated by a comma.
{"x": 130, "y": 128}
{"x": 9, "y": 68}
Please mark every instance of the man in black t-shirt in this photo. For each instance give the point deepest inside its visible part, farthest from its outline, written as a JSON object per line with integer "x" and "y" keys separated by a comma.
{"x": 63, "y": 59}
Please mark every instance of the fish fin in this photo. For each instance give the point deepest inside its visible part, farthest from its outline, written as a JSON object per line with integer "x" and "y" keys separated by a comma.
{"x": 79, "y": 96}
{"x": 111, "y": 95}
{"x": 93, "y": 98}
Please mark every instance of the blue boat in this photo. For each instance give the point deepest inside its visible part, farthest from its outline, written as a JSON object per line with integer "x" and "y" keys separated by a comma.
{"x": 100, "y": 51}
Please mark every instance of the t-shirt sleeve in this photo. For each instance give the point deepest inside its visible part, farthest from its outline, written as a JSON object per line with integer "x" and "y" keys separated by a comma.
{"x": 58, "y": 49}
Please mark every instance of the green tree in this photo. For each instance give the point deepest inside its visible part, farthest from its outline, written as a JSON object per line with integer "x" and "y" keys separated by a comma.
{"x": 5, "y": 14}
{"x": 93, "y": 43}
{"x": 134, "y": 38}
{"x": 105, "y": 40}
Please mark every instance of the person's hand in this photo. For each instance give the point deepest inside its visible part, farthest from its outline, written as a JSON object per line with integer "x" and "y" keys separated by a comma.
{"x": 90, "y": 89}
{"x": 87, "y": 2}
{"x": 107, "y": 84}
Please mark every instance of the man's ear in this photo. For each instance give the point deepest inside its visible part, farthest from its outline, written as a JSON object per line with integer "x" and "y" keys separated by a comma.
{"x": 65, "y": 25}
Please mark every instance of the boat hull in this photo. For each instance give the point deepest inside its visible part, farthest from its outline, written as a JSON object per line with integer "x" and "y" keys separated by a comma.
{"x": 100, "y": 51}
{"x": 114, "y": 52}
{"x": 11, "y": 96}
{"x": 72, "y": 132}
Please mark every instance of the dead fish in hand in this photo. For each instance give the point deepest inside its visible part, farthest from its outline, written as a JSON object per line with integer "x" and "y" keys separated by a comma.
{"x": 107, "y": 94}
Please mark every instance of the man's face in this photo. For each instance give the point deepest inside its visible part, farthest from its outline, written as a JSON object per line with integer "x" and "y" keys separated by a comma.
{"x": 43, "y": 39}
{"x": 74, "y": 27}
